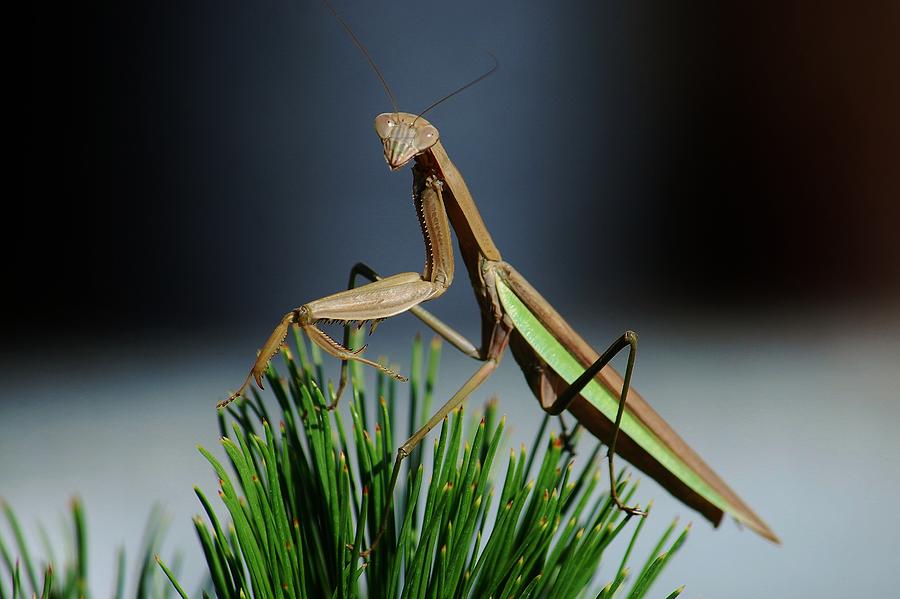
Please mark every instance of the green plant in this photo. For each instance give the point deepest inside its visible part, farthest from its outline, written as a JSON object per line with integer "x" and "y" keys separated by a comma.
{"x": 304, "y": 499}
{"x": 48, "y": 578}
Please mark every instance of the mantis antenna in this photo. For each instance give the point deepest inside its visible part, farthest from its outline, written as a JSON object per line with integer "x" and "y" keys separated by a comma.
{"x": 464, "y": 87}
{"x": 384, "y": 84}
{"x": 368, "y": 56}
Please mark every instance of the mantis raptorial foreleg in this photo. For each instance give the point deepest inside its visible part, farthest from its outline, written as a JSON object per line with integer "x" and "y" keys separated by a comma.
{"x": 452, "y": 336}
{"x": 380, "y": 299}
{"x": 368, "y": 303}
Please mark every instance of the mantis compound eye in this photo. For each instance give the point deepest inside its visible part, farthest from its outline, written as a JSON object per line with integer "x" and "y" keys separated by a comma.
{"x": 384, "y": 124}
{"x": 426, "y": 137}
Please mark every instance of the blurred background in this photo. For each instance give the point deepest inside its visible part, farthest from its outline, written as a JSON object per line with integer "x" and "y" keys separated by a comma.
{"x": 722, "y": 179}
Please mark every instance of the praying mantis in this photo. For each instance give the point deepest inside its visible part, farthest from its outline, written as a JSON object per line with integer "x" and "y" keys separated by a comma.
{"x": 563, "y": 371}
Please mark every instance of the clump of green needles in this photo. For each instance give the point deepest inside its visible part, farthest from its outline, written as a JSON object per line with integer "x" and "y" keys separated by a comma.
{"x": 304, "y": 493}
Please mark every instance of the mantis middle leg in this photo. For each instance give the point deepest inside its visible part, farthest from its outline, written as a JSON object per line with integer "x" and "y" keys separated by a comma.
{"x": 406, "y": 449}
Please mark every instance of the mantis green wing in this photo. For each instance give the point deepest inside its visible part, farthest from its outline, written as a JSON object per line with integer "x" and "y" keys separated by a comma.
{"x": 651, "y": 444}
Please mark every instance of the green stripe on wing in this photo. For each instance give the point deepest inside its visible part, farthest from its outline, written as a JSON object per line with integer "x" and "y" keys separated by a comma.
{"x": 564, "y": 363}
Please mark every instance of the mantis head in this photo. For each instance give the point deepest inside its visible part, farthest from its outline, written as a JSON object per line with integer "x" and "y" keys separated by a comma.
{"x": 404, "y": 136}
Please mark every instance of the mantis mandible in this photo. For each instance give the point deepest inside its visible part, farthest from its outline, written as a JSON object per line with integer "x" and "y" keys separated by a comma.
{"x": 563, "y": 371}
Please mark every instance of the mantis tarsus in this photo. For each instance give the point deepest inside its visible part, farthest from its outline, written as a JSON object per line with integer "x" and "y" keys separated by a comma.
{"x": 562, "y": 370}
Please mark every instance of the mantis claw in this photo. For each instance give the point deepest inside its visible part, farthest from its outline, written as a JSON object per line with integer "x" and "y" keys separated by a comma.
{"x": 632, "y": 511}
{"x": 374, "y": 325}
{"x": 239, "y": 393}
{"x": 222, "y": 404}
{"x": 332, "y": 347}
{"x": 273, "y": 344}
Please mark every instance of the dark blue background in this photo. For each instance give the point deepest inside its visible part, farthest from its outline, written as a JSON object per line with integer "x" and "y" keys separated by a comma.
{"x": 209, "y": 163}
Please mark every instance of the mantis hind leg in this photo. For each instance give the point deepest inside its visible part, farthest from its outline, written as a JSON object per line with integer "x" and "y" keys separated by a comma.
{"x": 563, "y": 399}
{"x": 569, "y": 437}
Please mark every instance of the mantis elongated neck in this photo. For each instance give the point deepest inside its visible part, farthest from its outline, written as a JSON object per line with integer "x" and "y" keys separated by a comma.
{"x": 474, "y": 240}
